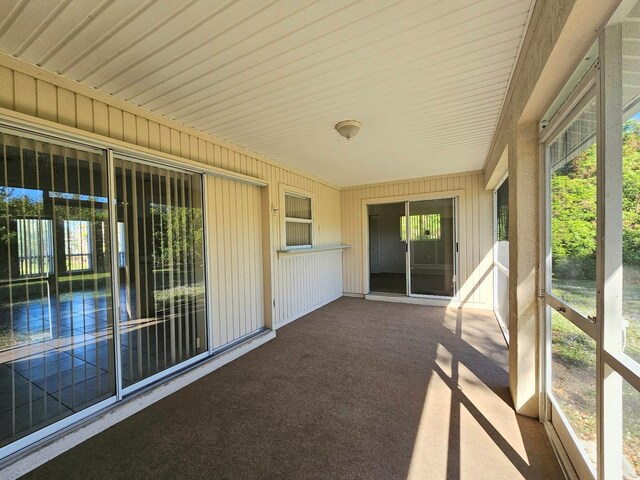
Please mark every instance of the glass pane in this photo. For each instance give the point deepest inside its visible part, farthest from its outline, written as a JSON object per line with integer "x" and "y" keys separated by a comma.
{"x": 77, "y": 245}
{"x": 297, "y": 207}
{"x": 502, "y": 224}
{"x": 56, "y": 346}
{"x": 298, "y": 234}
{"x": 431, "y": 234}
{"x": 631, "y": 187}
{"x": 162, "y": 293}
{"x": 387, "y": 249}
{"x": 502, "y": 297}
{"x": 630, "y": 431}
{"x": 573, "y": 379}
{"x": 573, "y": 213}
{"x": 35, "y": 246}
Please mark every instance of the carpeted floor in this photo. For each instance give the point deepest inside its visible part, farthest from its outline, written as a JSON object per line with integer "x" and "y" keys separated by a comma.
{"x": 357, "y": 389}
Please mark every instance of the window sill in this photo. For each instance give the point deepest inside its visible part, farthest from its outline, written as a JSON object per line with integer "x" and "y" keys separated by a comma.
{"x": 309, "y": 251}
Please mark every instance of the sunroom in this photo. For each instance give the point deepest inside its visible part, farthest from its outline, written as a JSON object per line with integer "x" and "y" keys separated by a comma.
{"x": 409, "y": 232}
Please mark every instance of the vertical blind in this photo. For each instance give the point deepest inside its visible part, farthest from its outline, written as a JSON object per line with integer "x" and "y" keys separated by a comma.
{"x": 162, "y": 293}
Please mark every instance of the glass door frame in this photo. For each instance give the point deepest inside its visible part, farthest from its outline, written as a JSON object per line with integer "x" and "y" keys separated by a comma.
{"x": 602, "y": 83}
{"x": 33, "y": 129}
{"x": 122, "y": 391}
{"x": 407, "y": 212}
{"x": 457, "y": 197}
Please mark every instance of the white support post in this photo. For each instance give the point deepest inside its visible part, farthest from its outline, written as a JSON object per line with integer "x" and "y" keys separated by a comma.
{"x": 609, "y": 251}
{"x": 523, "y": 268}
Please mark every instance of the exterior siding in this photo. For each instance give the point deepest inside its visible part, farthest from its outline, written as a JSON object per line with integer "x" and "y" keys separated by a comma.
{"x": 306, "y": 283}
{"x": 77, "y": 109}
{"x": 235, "y": 275}
{"x": 475, "y": 231}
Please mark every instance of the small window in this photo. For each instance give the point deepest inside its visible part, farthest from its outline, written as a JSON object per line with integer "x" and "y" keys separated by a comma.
{"x": 35, "y": 247}
{"x": 423, "y": 227}
{"x": 298, "y": 220}
{"x": 77, "y": 245}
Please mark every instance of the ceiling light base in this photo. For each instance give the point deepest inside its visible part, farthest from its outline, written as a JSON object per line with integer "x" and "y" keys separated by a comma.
{"x": 348, "y": 128}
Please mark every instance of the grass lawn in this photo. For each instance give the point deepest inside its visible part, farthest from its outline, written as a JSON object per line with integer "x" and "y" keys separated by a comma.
{"x": 574, "y": 364}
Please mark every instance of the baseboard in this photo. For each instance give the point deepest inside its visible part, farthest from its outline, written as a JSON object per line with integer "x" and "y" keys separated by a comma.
{"x": 307, "y": 311}
{"x": 49, "y": 448}
{"x": 353, "y": 295}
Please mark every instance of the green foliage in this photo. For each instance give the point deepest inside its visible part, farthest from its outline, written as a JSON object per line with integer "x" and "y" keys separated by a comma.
{"x": 177, "y": 236}
{"x": 573, "y": 200}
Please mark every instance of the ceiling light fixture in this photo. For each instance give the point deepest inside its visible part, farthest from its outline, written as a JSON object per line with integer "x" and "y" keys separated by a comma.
{"x": 348, "y": 128}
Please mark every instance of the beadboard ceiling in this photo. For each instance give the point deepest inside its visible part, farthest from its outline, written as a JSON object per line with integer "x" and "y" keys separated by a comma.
{"x": 426, "y": 78}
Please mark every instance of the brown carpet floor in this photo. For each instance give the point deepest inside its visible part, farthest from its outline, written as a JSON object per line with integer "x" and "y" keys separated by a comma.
{"x": 357, "y": 389}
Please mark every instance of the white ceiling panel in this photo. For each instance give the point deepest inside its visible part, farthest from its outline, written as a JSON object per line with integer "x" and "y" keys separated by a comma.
{"x": 427, "y": 78}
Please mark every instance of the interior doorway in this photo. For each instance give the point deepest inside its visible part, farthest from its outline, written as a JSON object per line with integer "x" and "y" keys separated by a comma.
{"x": 387, "y": 249}
{"x": 413, "y": 248}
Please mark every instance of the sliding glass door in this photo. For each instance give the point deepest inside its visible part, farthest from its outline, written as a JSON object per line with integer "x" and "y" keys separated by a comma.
{"x": 431, "y": 228}
{"x": 74, "y": 228}
{"x": 56, "y": 322}
{"x": 162, "y": 318}
{"x": 412, "y": 248}
{"x": 388, "y": 248}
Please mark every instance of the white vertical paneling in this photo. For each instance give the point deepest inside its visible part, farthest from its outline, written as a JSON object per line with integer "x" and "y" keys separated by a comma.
{"x": 474, "y": 231}
{"x": 235, "y": 239}
{"x": 308, "y": 281}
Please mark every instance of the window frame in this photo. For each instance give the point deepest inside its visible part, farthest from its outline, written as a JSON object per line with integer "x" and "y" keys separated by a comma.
{"x": 296, "y": 192}
{"x": 46, "y": 256}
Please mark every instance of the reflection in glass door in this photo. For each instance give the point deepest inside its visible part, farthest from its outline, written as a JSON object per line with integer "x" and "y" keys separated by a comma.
{"x": 56, "y": 335}
{"x": 162, "y": 320}
{"x": 432, "y": 247}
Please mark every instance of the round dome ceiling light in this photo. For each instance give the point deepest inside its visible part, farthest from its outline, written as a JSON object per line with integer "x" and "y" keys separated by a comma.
{"x": 348, "y": 128}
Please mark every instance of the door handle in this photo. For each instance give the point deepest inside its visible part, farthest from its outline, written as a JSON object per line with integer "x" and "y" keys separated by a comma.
{"x": 561, "y": 309}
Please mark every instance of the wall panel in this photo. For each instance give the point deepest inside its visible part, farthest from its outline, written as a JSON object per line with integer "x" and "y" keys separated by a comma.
{"x": 234, "y": 232}
{"x": 308, "y": 281}
{"x": 475, "y": 231}
{"x": 97, "y": 113}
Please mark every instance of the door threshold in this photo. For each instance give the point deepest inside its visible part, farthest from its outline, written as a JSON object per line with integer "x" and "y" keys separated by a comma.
{"x": 399, "y": 298}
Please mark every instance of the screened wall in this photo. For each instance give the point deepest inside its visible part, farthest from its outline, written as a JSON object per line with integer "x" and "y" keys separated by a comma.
{"x": 591, "y": 244}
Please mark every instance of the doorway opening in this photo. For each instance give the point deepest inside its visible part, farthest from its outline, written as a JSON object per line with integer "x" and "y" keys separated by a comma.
{"x": 413, "y": 248}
